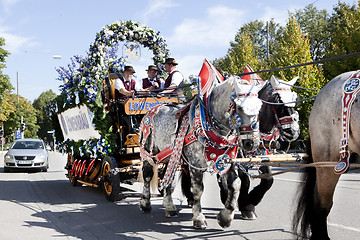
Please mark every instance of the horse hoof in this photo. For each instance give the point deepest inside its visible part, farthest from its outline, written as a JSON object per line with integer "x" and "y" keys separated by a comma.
{"x": 197, "y": 224}
{"x": 222, "y": 220}
{"x": 248, "y": 215}
{"x": 170, "y": 214}
{"x": 145, "y": 209}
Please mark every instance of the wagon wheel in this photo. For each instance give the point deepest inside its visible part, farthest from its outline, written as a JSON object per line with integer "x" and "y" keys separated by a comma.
{"x": 111, "y": 180}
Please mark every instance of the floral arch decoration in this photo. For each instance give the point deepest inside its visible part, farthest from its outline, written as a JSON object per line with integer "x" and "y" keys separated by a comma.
{"x": 82, "y": 78}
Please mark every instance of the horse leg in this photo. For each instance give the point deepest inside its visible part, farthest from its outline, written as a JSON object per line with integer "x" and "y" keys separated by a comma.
{"x": 223, "y": 188}
{"x": 244, "y": 201}
{"x": 197, "y": 188}
{"x": 326, "y": 181}
{"x": 145, "y": 204}
{"x": 168, "y": 204}
{"x": 186, "y": 184}
{"x": 257, "y": 194}
{"x": 227, "y": 215}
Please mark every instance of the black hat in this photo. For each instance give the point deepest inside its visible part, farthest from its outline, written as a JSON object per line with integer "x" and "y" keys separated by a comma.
{"x": 152, "y": 67}
{"x": 129, "y": 68}
{"x": 171, "y": 61}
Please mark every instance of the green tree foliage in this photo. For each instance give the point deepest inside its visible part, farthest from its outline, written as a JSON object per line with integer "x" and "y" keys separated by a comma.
{"x": 252, "y": 45}
{"x": 5, "y": 84}
{"x": 316, "y": 25}
{"x": 25, "y": 109}
{"x": 240, "y": 54}
{"x": 7, "y": 107}
{"x": 263, "y": 35}
{"x": 293, "y": 48}
{"x": 345, "y": 38}
{"x": 43, "y": 120}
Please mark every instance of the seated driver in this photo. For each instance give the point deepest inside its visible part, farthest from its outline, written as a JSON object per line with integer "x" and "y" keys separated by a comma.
{"x": 125, "y": 87}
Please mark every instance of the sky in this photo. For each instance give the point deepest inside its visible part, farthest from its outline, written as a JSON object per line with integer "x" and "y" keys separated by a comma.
{"x": 37, "y": 30}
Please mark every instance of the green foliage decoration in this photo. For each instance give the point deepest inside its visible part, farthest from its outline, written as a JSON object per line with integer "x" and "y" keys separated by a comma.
{"x": 83, "y": 78}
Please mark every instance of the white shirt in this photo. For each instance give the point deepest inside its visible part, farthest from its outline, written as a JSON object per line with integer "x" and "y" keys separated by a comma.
{"x": 120, "y": 85}
{"x": 177, "y": 78}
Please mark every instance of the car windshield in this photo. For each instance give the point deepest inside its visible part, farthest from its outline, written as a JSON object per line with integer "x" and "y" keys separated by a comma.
{"x": 28, "y": 145}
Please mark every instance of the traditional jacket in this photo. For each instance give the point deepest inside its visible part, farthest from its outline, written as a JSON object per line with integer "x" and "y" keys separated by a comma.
{"x": 128, "y": 86}
{"x": 168, "y": 79}
{"x": 146, "y": 82}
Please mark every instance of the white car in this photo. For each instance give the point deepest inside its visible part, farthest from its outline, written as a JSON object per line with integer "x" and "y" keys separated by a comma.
{"x": 27, "y": 154}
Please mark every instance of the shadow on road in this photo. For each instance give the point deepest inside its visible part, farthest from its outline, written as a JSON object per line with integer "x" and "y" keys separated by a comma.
{"x": 84, "y": 213}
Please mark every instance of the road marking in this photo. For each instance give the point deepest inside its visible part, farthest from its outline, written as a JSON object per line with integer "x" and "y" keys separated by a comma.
{"x": 345, "y": 227}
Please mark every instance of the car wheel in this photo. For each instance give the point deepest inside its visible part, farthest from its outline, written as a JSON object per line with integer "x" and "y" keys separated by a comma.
{"x": 6, "y": 169}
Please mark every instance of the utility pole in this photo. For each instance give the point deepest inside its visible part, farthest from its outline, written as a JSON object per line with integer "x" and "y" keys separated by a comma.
{"x": 17, "y": 86}
{"x": 267, "y": 40}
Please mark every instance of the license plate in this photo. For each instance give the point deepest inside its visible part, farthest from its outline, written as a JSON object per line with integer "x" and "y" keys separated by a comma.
{"x": 23, "y": 162}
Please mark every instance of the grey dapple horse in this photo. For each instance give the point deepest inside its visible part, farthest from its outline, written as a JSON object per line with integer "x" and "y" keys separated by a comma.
{"x": 223, "y": 103}
{"x": 277, "y": 117}
{"x": 326, "y": 132}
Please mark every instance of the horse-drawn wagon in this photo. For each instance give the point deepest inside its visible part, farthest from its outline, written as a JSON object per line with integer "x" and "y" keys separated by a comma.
{"x": 222, "y": 123}
{"x": 123, "y": 165}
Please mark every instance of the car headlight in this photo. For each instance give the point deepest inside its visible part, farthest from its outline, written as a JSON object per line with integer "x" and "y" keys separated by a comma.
{"x": 41, "y": 157}
{"x": 9, "y": 157}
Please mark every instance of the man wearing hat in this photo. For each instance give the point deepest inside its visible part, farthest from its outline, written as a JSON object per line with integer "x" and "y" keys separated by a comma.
{"x": 152, "y": 81}
{"x": 175, "y": 78}
{"x": 125, "y": 88}
{"x": 125, "y": 85}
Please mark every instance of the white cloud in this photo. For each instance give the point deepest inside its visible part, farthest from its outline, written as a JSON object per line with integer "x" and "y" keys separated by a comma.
{"x": 216, "y": 29}
{"x": 279, "y": 15}
{"x": 157, "y": 7}
{"x": 8, "y": 4}
{"x": 190, "y": 64}
{"x": 15, "y": 43}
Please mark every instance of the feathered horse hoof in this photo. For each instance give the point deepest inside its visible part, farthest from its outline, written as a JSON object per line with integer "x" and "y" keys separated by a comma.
{"x": 248, "y": 215}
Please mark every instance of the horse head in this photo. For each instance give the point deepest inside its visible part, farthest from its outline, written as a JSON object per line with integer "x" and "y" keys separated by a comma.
{"x": 279, "y": 110}
{"x": 247, "y": 107}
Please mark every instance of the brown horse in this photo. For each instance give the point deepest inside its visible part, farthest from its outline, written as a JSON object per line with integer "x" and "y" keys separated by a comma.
{"x": 326, "y": 131}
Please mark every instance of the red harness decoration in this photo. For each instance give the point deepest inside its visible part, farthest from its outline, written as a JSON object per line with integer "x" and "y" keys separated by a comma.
{"x": 350, "y": 88}
{"x": 177, "y": 147}
{"x": 219, "y": 150}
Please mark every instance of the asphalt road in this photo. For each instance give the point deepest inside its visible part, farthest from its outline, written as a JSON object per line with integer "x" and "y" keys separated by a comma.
{"x": 37, "y": 205}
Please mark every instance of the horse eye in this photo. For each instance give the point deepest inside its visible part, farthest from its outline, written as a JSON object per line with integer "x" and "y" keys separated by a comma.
{"x": 254, "y": 126}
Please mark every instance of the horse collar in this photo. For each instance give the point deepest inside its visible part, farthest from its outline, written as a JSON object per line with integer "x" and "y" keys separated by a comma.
{"x": 350, "y": 89}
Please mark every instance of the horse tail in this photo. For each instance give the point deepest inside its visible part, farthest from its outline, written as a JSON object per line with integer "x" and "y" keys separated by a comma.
{"x": 154, "y": 183}
{"x": 186, "y": 184}
{"x": 305, "y": 201}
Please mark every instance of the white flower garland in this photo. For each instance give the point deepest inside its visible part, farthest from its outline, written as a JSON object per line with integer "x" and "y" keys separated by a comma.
{"x": 82, "y": 80}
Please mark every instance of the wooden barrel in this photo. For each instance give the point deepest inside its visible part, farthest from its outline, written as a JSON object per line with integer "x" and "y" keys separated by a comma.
{"x": 93, "y": 171}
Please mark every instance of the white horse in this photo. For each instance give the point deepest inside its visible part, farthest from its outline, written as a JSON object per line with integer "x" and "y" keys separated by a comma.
{"x": 326, "y": 129}
{"x": 231, "y": 117}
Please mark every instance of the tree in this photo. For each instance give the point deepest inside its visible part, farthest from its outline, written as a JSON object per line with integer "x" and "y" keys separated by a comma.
{"x": 43, "y": 120}
{"x": 345, "y": 37}
{"x": 316, "y": 25}
{"x": 7, "y": 107}
{"x": 27, "y": 111}
{"x": 294, "y": 48}
{"x": 240, "y": 54}
{"x": 5, "y": 84}
{"x": 263, "y": 36}
{"x": 252, "y": 45}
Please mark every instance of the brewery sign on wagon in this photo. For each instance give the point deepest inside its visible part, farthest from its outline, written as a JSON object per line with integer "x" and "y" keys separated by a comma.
{"x": 76, "y": 124}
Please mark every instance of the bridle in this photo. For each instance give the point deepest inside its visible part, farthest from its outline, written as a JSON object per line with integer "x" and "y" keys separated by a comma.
{"x": 286, "y": 122}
